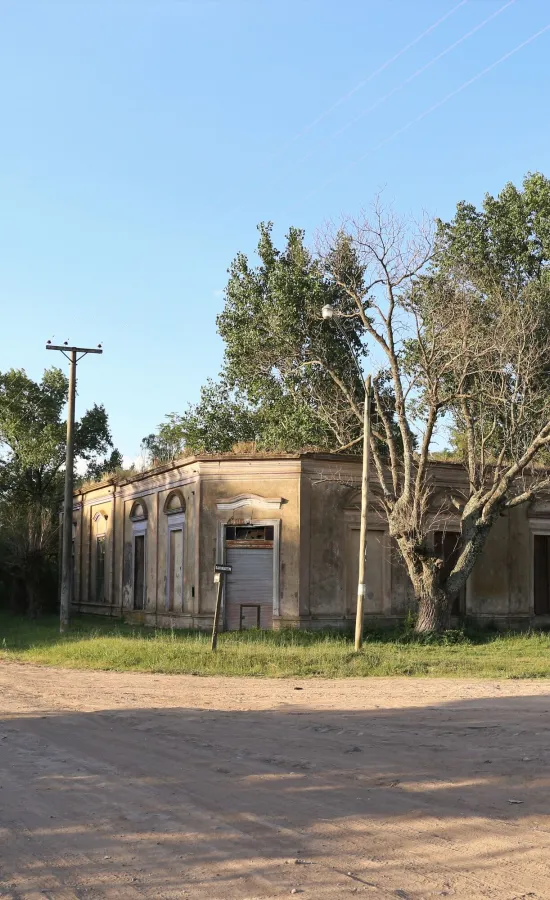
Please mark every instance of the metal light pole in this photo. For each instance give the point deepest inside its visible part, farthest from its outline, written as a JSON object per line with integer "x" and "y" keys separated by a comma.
{"x": 328, "y": 312}
{"x": 66, "y": 553}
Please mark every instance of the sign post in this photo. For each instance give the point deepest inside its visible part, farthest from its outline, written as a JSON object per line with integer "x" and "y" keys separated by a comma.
{"x": 220, "y": 570}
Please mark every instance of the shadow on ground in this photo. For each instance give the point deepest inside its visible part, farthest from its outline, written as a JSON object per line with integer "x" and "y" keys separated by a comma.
{"x": 450, "y": 800}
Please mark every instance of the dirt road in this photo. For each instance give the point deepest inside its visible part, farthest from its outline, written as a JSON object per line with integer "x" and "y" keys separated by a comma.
{"x": 140, "y": 786}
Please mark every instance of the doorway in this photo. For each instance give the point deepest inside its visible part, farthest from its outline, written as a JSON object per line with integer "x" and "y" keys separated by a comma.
{"x": 249, "y": 587}
{"x": 139, "y": 571}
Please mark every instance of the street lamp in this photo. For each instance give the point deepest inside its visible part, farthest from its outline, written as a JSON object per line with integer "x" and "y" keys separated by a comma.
{"x": 328, "y": 312}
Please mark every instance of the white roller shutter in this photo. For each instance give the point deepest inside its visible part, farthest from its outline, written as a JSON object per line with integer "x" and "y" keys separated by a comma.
{"x": 249, "y": 588}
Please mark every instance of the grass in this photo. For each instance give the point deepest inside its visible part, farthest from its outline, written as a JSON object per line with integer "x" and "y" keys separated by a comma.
{"x": 103, "y": 644}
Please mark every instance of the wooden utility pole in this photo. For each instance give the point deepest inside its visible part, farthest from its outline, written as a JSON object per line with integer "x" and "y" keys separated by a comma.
{"x": 361, "y": 586}
{"x": 67, "y": 540}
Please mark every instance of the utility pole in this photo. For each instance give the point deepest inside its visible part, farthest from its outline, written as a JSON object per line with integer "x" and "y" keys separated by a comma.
{"x": 361, "y": 587}
{"x": 328, "y": 312}
{"x": 66, "y": 552}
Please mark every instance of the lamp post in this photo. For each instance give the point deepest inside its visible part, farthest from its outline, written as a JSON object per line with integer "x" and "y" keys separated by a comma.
{"x": 328, "y": 312}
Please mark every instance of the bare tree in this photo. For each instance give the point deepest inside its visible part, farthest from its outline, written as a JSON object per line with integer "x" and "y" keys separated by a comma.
{"x": 452, "y": 353}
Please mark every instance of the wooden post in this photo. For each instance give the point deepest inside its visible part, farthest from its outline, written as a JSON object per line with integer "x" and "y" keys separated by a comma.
{"x": 361, "y": 587}
{"x": 217, "y": 611}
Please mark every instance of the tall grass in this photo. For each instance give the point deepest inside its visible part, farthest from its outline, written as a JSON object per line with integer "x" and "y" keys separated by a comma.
{"x": 98, "y": 644}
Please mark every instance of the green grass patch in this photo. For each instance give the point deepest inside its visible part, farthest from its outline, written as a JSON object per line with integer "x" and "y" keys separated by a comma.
{"x": 93, "y": 643}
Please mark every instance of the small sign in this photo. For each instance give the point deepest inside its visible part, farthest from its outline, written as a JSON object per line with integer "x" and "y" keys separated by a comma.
{"x": 223, "y": 568}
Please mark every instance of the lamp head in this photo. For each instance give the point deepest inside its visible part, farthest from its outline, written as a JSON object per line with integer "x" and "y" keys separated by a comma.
{"x": 327, "y": 311}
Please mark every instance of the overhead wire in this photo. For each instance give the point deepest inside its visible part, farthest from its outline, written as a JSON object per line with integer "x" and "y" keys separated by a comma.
{"x": 430, "y": 109}
{"x": 368, "y": 78}
{"x": 409, "y": 80}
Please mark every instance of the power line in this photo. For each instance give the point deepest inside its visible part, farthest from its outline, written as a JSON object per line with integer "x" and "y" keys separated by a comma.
{"x": 368, "y": 78}
{"x": 431, "y": 109}
{"x": 411, "y": 78}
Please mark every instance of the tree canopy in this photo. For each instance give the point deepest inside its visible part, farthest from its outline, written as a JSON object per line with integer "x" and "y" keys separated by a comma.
{"x": 33, "y": 434}
{"x": 283, "y": 367}
{"x": 220, "y": 420}
{"x": 32, "y": 459}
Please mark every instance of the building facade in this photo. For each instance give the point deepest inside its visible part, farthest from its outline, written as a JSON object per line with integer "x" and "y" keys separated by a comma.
{"x": 145, "y": 547}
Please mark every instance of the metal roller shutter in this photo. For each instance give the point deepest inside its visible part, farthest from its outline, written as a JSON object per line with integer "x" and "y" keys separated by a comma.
{"x": 249, "y": 588}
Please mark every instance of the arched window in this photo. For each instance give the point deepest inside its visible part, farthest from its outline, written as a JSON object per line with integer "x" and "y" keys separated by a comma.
{"x": 100, "y": 522}
{"x": 174, "y": 503}
{"x": 138, "y": 513}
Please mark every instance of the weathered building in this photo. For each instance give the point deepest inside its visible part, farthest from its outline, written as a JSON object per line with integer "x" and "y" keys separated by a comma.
{"x": 145, "y": 547}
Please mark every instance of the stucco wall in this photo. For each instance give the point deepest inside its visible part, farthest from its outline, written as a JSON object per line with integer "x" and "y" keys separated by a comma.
{"x": 501, "y": 582}
{"x": 271, "y": 480}
{"x": 328, "y": 531}
{"x": 333, "y": 532}
{"x": 488, "y": 592}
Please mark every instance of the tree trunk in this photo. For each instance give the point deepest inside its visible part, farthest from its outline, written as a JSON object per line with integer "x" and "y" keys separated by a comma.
{"x": 434, "y": 602}
{"x": 434, "y": 610}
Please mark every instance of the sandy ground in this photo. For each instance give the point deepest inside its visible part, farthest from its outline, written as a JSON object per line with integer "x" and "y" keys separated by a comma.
{"x": 137, "y": 786}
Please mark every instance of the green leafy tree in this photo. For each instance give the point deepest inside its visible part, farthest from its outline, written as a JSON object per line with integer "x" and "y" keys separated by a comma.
{"x": 282, "y": 356}
{"x": 97, "y": 470}
{"x": 284, "y": 367}
{"x": 213, "y": 425}
{"x": 505, "y": 243}
{"x": 32, "y": 459}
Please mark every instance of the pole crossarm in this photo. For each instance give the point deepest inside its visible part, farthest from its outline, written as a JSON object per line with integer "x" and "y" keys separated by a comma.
{"x": 65, "y": 349}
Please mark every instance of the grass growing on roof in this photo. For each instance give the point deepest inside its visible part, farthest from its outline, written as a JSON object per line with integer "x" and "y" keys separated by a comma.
{"x": 94, "y": 643}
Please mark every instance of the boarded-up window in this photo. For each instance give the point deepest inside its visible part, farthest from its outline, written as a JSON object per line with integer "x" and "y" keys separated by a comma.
{"x": 139, "y": 571}
{"x": 447, "y": 548}
{"x": 374, "y": 572}
{"x": 248, "y": 533}
{"x": 542, "y": 574}
{"x": 175, "y": 575}
{"x": 100, "y": 569}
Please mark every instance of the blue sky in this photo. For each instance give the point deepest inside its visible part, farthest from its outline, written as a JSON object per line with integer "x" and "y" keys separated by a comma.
{"x": 143, "y": 140}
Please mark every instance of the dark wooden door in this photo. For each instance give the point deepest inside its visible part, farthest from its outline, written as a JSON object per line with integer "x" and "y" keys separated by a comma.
{"x": 541, "y": 564}
{"x": 139, "y": 571}
{"x": 100, "y": 569}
